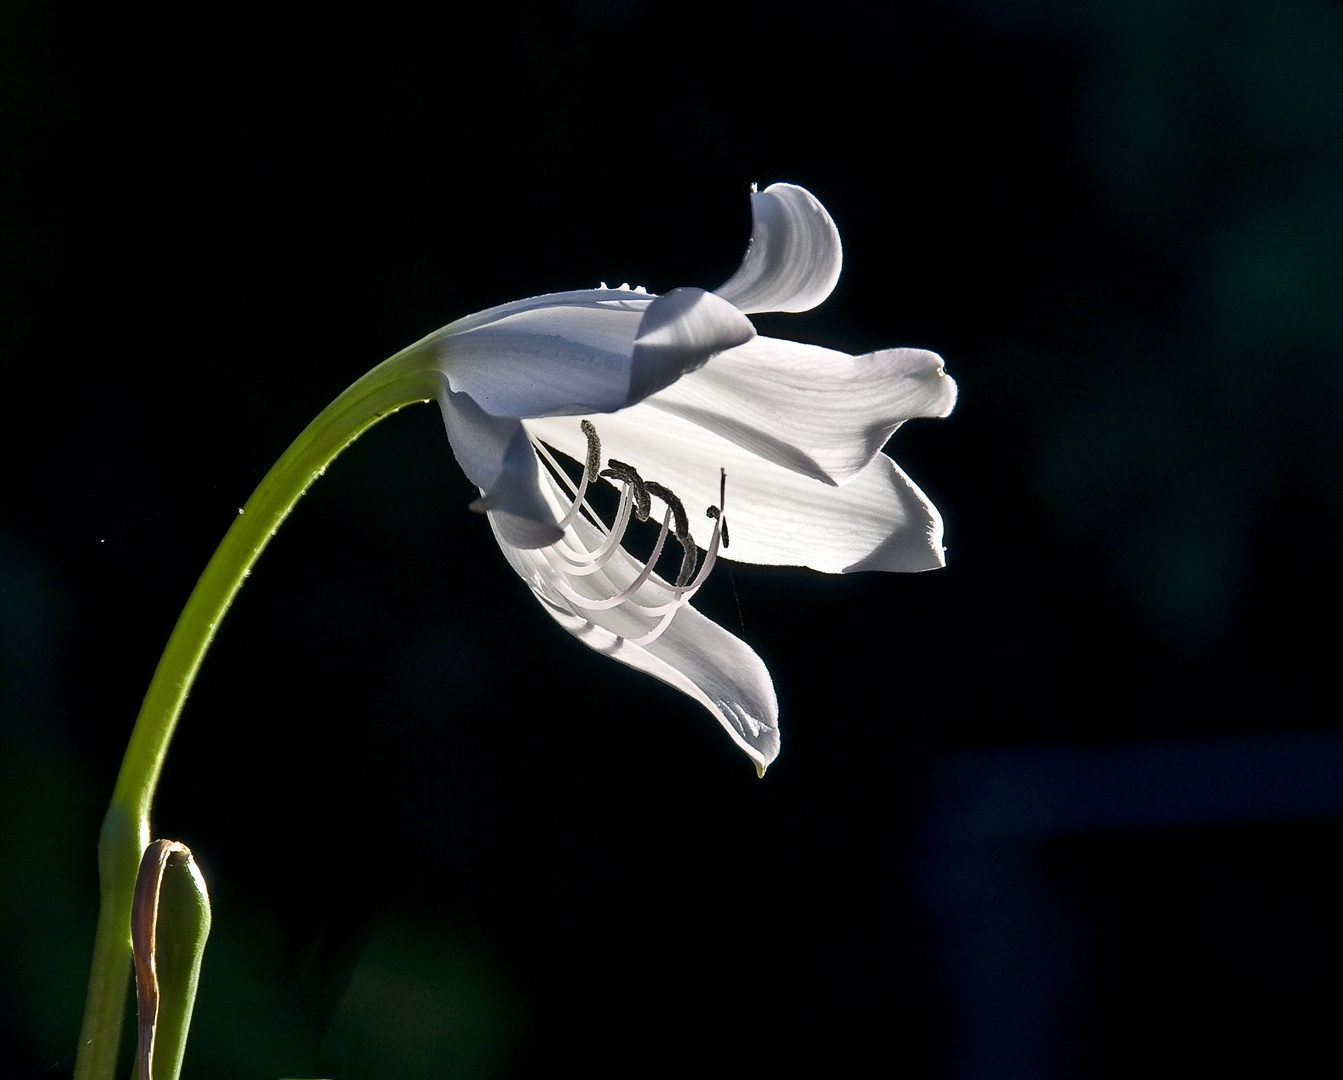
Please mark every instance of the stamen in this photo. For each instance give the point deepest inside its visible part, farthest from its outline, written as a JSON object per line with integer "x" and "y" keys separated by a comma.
{"x": 594, "y": 463}
{"x": 576, "y": 492}
{"x": 691, "y": 555}
{"x": 629, "y": 590}
{"x": 570, "y": 560}
{"x": 714, "y": 512}
{"x": 666, "y": 611}
{"x": 683, "y": 597}
{"x": 673, "y": 503}
{"x": 581, "y": 563}
{"x": 628, "y": 474}
{"x": 613, "y": 534}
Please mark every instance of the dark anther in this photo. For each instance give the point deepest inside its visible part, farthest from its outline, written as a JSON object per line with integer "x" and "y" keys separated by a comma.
{"x": 682, "y": 527}
{"x": 680, "y": 524}
{"x": 713, "y": 512}
{"x": 594, "y": 465}
{"x": 628, "y": 474}
{"x": 688, "y": 561}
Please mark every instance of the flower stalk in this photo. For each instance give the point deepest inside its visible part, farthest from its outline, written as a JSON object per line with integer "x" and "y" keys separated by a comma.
{"x": 404, "y": 379}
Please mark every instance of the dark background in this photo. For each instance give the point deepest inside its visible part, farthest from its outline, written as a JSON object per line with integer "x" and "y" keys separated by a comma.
{"x": 1067, "y": 808}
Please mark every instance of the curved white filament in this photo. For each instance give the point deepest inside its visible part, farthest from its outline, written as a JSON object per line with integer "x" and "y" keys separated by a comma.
{"x": 565, "y": 561}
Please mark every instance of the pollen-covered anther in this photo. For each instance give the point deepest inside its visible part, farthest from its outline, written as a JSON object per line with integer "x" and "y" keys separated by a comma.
{"x": 628, "y": 474}
{"x": 593, "y": 467}
{"x": 690, "y": 554}
{"x": 713, "y": 512}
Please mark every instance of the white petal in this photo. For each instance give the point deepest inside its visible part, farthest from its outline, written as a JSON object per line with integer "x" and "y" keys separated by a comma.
{"x": 794, "y": 257}
{"x": 878, "y": 521}
{"x": 593, "y": 351}
{"x": 497, "y": 456}
{"x": 701, "y": 659}
{"x": 816, "y": 411}
{"x": 636, "y": 300}
{"x": 563, "y": 353}
{"x": 679, "y": 333}
{"x": 694, "y": 654}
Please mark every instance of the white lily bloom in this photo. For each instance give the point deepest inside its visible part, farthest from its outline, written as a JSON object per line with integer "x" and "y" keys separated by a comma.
{"x": 682, "y": 393}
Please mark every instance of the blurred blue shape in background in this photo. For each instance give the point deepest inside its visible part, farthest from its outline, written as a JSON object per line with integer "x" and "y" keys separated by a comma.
{"x": 1017, "y": 937}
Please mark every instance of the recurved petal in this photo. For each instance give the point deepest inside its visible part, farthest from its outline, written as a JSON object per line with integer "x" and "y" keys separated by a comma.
{"x": 679, "y": 332}
{"x": 879, "y": 520}
{"x": 704, "y": 661}
{"x": 695, "y": 655}
{"x": 816, "y": 411}
{"x": 563, "y": 353}
{"x": 794, "y": 257}
{"x": 497, "y": 456}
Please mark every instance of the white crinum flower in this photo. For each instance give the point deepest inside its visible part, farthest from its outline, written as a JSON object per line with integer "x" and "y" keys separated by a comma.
{"x": 782, "y": 437}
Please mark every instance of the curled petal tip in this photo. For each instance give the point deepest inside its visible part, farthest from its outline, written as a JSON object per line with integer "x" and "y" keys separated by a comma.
{"x": 794, "y": 257}
{"x": 760, "y": 769}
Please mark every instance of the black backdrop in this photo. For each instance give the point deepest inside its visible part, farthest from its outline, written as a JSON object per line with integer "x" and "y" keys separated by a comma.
{"x": 1065, "y": 808}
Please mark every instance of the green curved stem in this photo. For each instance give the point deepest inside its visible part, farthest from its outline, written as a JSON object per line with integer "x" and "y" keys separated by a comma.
{"x": 406, "y": 378}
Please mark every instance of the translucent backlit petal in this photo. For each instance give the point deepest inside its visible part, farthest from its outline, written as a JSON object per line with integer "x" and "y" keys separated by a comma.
{"x": 794, "y": 257}
{"x": 679, "y": 333}
{"x": 559, "y": 354}
{"x": 879, "y": 520}
{"x": 497, "y": 456}
{"x": 816, "y": 411}
{"x": 693, "y": 654}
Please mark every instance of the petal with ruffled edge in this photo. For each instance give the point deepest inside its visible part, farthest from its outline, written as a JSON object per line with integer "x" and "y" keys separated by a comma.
{"x": 794, "y": 257}
{"x": 879, "y": 520}
{"x": 819, "y": 412}
{"x": 591, "y": 351}
{"x": 694, "y": 654}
